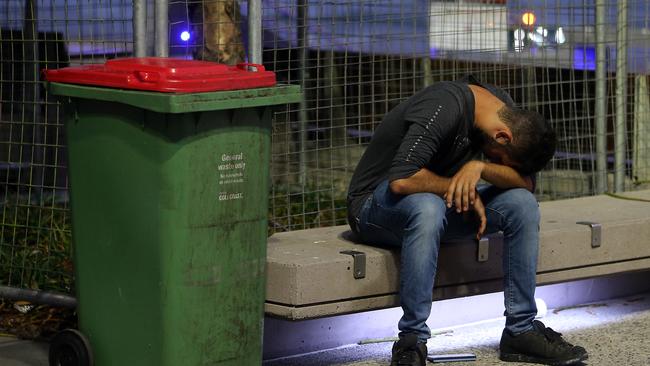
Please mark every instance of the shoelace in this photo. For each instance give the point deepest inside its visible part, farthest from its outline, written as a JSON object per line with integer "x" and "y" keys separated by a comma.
{"x": 406, "y": 357}
{"x": 554, "y": 337}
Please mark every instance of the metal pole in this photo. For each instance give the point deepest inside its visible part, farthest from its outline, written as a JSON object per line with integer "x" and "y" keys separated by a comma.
{"x": 140, "y": 28}
{"x": 426, "y": 60}
{"x": 601, "y": 102}
{"x": 32, "y": 98}
{"x": 255, "y": 31}
{"x": 641, "y": 145}
{"x": 161, "y": 28}
{"x": 38, "y": 297}
{"x": 621, "y": 96}
{"x": 303, "y": 44}
{"x": 426, "y": 69}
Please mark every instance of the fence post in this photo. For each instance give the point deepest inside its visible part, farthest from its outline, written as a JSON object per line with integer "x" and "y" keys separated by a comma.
{"x": 303, "y": 44}
{"x": 641, "y": 148}
{"x": 140, "y": 28}
{"x": 601, "y": 100}
{"x": 33, "y": 98}
{"x": 161, "y": 28}
{"x": 621, "y": 95}
{"x": 255, "y": 31}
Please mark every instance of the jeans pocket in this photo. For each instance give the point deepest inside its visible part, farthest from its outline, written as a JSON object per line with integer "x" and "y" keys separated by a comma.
{"x": 376, "y": 234}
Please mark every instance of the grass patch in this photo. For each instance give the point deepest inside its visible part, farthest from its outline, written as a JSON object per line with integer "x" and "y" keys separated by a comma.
{"x": 297, "y": 208}
{"x": 35, "y": 247}
{"x": 35, "y": 253}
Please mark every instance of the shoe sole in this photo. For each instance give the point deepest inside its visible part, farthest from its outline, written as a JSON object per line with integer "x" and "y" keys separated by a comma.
{"x": 515, "y": 357}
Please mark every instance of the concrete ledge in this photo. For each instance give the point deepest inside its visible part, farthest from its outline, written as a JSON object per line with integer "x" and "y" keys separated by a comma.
{"x": 308, "y": 277}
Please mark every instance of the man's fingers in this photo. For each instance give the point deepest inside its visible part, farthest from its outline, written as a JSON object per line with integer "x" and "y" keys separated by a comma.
{"x": 480, "y": 212}
{"x": 449, "y": 196}
{"x": 467, "y": 201}
{"x": 458, "y": 198}
{"x": 482, "y": 226}
{"x": 472, "y": 194}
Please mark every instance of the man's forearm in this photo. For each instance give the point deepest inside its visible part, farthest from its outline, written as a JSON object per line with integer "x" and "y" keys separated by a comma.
{"x": 422, "y": 181}
{"x": 505, "y": 177}
{"x": 426, "y": 181}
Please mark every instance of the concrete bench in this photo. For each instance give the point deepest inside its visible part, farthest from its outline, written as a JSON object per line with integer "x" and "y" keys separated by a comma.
{"x": 322, "y": 272}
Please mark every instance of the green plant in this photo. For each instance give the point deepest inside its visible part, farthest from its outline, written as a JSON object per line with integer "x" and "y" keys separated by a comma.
{"x": 35, "y": 247}
{"x": 297, "y": 208}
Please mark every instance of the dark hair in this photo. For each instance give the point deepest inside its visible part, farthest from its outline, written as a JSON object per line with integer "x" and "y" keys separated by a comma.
{"x": 533, "y": 140}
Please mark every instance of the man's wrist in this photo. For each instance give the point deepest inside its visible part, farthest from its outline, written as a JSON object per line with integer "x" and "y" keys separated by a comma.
{"x": 480, "y": 165}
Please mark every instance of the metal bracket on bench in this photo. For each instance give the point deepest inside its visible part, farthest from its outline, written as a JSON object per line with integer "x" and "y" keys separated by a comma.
{"x": 483, "y": 249}
{"x": 359, "y": 267}
{"x": 596, "y": 232}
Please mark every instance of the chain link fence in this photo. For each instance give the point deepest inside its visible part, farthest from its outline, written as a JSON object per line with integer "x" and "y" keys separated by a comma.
{"x": 585, "y": 70}
{"x": 35, "y": 236}
{"x": 358, "y": 59}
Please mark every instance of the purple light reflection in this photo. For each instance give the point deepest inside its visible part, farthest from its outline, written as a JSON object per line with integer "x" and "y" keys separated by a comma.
{"x": 584, "y": 58}
{"x": 289, "y": 338}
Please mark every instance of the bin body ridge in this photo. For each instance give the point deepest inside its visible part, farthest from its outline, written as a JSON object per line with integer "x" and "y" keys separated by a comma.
{"x": 169, "y": 216}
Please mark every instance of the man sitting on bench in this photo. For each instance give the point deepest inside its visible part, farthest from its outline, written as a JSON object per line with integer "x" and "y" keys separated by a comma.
{"x": 417, "y": 183}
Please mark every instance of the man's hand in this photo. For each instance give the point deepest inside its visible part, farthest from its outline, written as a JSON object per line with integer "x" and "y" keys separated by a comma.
{"x": 479, "y": 208}
{"x": 462, "y": 188}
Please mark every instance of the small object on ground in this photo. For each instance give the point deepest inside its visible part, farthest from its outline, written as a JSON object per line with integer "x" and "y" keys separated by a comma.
{"x": 395, "y": 339}
{"x": 442, "y": 332}
{"x": 562, "y": 308}
{"x": 23, "y": 306}
{"x": 634, "y": 300}
{"x": 378, "y": 340}
{"x": 458, "y": 357}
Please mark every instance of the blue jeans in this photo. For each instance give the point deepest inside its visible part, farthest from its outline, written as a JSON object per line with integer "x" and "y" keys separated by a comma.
{"x": 418, "y": 222}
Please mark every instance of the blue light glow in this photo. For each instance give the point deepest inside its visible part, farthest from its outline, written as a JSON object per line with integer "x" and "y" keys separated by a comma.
{"x": 185, "y": 36}
{"x": 584, "y": 58}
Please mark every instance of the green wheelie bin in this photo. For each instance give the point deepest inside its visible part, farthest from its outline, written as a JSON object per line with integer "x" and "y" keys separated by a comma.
{"x": 169, "y": 177}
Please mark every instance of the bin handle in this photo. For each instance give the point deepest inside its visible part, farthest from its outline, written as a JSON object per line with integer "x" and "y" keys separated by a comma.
{"x": 147, "y": 76}
{"x": 250, "y": 67}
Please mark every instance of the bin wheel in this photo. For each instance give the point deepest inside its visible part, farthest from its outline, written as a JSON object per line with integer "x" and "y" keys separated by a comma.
{"x": 70, "y": 348}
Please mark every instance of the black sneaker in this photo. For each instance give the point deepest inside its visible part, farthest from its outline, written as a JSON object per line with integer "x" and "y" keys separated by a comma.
{"x": 540, "y": 345}
{"x": 409, "y": 352}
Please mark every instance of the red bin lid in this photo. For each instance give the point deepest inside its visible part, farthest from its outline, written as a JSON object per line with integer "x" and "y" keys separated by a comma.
{"x": 165, "y": 75}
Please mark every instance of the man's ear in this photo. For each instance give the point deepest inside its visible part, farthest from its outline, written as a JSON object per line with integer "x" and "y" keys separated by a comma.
{"x": 503, "y": 137}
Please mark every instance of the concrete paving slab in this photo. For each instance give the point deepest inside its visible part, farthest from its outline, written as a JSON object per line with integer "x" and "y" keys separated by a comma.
{"x": 16, "y": 352}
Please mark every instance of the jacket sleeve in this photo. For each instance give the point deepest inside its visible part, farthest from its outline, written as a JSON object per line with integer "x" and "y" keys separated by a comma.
{"x": 432, "y": 119}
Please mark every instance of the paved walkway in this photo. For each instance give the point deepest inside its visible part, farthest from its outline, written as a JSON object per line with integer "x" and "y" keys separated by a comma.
{"x": 615, "y": 332}
{"x": 14, "y": 352}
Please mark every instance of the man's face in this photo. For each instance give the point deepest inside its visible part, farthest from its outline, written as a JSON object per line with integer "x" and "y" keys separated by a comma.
{"x": 498, "y": 155}
{"x": 492, "y": 149}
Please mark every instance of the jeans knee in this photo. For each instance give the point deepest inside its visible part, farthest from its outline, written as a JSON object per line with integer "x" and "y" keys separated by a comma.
{"x": 421, "y": 241}
{"x": 522, "y": 206}
{"x": 427, "y": 212}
